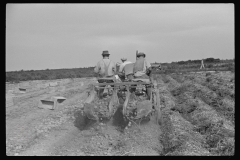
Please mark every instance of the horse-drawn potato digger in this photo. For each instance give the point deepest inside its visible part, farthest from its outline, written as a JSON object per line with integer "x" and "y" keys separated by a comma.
{"x": 131, "y": 96}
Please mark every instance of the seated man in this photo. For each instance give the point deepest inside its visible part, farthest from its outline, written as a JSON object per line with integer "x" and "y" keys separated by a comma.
{"x": 121, "y": 73}
{"x": 142, "y": 67}
{"x": 105, "y": 69}
{"x": 142, "y": 70}
{"x": 128, "y": 71}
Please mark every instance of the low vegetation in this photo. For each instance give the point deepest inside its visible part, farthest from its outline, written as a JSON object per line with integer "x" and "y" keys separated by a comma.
{"x": 180, "y": 66}
{"x": 48, "y": 74}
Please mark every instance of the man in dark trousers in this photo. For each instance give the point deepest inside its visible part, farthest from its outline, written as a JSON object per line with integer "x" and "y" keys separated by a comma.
{"x": 105, "y": 68}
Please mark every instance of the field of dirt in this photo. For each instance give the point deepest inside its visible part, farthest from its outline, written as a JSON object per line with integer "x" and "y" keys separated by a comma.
{"x": 197, "y": 119}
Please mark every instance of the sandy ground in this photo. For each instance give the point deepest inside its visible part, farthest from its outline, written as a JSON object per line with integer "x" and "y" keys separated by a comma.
{"x": 67, "y": 132}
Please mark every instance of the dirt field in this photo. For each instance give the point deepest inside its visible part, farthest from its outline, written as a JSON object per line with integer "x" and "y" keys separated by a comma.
{"x": 197, "y": 119}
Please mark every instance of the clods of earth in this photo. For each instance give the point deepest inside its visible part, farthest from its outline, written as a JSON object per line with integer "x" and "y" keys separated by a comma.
{"x": 198, "y": 118}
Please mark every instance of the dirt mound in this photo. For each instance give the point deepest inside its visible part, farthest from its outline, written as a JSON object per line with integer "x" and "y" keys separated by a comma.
{"x": 195, "y": 109}
{"x": 82, "y": 122}
{"x": 178, "y": 137}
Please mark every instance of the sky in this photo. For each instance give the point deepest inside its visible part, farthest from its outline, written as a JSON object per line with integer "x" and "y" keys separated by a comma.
{"x": 54, "y": 36}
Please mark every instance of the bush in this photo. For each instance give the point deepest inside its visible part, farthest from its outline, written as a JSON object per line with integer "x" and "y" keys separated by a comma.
{"x": 49, "y": 74}
{"x": 231, "y": 68}
{"x": 209, "y": 60}
{"x": 210, "y": 66}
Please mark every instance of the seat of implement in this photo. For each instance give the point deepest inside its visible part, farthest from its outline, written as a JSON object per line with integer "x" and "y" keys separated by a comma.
{"x": 142, "y": 80}
{"x": 113, "y": 79}
{"x": 107, "y": 80}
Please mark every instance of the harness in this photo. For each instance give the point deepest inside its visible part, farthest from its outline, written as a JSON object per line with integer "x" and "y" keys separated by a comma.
{"x": 106, "y": 68}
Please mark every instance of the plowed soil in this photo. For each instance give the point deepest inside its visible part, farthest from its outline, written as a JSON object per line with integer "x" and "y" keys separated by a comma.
{"x": 197, "y": 119}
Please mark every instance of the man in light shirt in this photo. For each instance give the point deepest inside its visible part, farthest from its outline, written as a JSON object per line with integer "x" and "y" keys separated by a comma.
{"x": 121, "y": 73}
{"x": 142, "y": 67}
{"x": 202, "y": 65}
{"x": 124, "y": 62}
{"x": 105, "y": 68}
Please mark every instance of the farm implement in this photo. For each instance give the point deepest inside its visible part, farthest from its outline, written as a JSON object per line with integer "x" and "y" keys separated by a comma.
{"x": 139, "y": 99}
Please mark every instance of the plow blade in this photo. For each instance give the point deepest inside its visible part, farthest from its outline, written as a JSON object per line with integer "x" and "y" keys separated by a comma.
{"x": 89, "y": 111}
{"x": 143, "y": 109}
{"x": 88, "y": 107}
{"x": 93, "y": 109}
{"x": 113, "y": 102}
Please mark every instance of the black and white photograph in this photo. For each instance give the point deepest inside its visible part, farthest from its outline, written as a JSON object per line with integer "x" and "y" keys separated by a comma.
{"x": 120, "y": 79}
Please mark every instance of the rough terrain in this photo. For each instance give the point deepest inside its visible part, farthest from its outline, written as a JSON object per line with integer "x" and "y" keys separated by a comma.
{"x": 197, "y": 119}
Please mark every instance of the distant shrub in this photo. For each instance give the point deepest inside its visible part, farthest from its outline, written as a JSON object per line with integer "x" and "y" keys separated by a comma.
{"x": 231, "y": 68}
{"x": 49, "y": 74}
{"x": 210, "y": 66}
{"x": 217, "y": 60}
{"x": 181, "y": 62}
{"x": 209, "y": 60}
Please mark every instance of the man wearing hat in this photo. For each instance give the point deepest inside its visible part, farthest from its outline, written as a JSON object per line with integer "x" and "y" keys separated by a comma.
{"x": 142, "y": 69}
{"x": 202, "y": 65}
{"x": 105, "y": 68}
{"x": 121, "y": 68}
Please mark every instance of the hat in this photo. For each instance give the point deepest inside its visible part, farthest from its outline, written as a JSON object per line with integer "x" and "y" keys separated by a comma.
{"x": 123, "y": 59}
{"x": 141, "y": 54}
{"x": 105, "y": 53}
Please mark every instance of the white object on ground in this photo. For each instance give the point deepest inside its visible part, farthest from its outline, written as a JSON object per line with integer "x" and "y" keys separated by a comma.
{"x": 51, "y": 104}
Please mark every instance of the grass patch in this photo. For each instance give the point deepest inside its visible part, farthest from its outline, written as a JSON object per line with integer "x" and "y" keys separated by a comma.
{"x": 217, "y": 142}
{"x": 178, "y": 137}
